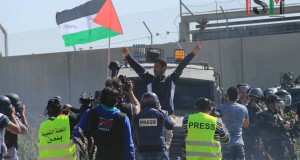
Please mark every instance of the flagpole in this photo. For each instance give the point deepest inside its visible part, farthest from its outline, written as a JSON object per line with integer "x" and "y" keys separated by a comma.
{"x": 108, "y": 57}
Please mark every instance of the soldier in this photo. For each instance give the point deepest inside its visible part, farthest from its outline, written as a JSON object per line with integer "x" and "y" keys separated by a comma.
{"x": 273, "y": 128}
{"x": 289, "y": 114}
{"x": 270, "y": 91}
{"x": 251, "y": 136}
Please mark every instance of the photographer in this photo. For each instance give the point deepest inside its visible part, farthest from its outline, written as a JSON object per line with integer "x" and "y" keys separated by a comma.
{"x": 55, "y": 133}
{"x": 86, "y": 103}
{"x": 109, "y": 128}
{"x": 11, "y": 139}
{"x": 203, "y": 133}
{"x": 6, "y": 110}
{"x": 125, "y": 89}
{"x": 149, "y": 125}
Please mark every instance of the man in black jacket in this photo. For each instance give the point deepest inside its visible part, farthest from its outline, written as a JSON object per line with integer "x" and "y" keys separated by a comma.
{"x": 161, "y": 84}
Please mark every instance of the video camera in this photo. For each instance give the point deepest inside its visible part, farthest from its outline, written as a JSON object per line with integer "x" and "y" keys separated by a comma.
{"x": 86, "y": 99}
{"x": 125, "y": 82}
{"x": 214, "y": 112}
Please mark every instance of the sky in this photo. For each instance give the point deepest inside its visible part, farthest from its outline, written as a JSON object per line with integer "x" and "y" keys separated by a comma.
{"x": 21, "y": 16}
{"x": 32, "y": 28}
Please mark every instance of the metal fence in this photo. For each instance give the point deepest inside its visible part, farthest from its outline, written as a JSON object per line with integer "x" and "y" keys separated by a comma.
{"x": 162, "y": 23}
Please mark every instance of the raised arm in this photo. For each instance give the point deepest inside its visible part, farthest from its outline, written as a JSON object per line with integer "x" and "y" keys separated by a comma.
{"x": 140, "y": 70}
{"x": 14, "y": 126}
{"x": 178, "y": 71}
{"x": 23, "y": 117}
{"x": 133, "y": 100}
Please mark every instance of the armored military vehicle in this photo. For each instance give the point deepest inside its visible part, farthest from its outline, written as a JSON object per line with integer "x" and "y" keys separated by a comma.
{"x": 197, "y": 80}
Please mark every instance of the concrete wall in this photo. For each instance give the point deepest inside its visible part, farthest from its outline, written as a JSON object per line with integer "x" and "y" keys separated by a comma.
{"x": 36, "y": 78}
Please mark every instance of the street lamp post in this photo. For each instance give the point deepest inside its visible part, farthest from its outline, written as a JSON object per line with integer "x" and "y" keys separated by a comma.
{"x": 5, "y": 40}
{"x": 226, "y": 21}
{"x": 149, "y": 32}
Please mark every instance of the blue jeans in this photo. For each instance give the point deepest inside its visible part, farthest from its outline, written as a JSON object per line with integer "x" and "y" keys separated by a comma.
{"x": 152, "y": 155}
{"x": 233, "y": 152}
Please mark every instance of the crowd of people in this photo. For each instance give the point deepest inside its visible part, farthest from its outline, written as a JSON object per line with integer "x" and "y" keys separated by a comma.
{"x": 114, "y": 125}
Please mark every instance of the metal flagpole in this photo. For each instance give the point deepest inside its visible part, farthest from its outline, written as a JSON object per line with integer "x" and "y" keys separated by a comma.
{"x": 108, "y": 58}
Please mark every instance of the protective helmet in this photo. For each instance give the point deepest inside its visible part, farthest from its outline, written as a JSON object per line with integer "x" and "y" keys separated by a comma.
{"x": 149, "y": 99}
{"x": 243, "y": 87}
{"x": 114, "y": 65}
{"x": 15, "y": 101}
{"x": 53, "y": 108}
{"x": 270, "y": 91}
{"x": 57, "y": 97}
{"x": 284, "y": 96}
{"x": 255, "y": 92}
{"x": 5, "y": 105}
{"x": 272, "y": 99}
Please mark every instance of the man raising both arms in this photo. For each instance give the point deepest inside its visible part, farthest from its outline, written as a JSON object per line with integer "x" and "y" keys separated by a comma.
{"x": 161, "y": 84}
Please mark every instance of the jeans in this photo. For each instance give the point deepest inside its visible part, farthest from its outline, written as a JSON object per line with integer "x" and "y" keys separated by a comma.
{"x": 233, "y": 152}
{"x": 11, "y": 154}
{"x": 152, "y": 155}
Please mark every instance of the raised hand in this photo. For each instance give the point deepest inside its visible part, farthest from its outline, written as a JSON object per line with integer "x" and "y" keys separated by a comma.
{"x": 197, "y": 47}
{"x": 125, "y": 52}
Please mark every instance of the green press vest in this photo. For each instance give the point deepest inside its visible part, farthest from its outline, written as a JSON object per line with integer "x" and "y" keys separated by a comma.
{"x": 55, "y": 142}
{"x": 200, "y": 142}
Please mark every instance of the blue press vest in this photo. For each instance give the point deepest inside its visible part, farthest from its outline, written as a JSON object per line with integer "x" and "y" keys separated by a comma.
{"x": 149, "y": 127}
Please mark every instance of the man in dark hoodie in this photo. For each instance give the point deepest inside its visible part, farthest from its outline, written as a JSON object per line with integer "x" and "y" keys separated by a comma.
{"x": 160, "y": 84}
{"x": 109, "y": 128}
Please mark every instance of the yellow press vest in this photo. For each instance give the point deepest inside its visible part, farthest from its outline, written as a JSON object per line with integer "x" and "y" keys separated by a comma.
{"x": 55, "y": 142}
{"x": 200, "y": 142}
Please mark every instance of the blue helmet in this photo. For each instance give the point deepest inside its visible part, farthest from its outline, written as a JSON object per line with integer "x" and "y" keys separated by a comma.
{"x": 255, "y": 92}
{"x": 149, "y": 99}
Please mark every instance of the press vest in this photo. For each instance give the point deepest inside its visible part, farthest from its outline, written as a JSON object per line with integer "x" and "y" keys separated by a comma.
{"x": 149, "y": 127}
{"x": 110, "y": 141}
{"x": 200, "y": 142}
{"x": 55, "y": 142}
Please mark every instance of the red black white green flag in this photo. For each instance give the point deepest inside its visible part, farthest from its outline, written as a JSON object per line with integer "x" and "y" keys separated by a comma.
{"x": 92, "y": 21}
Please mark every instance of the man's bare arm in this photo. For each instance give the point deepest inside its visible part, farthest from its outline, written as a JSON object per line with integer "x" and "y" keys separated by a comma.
{"x": 133, "y": 100}
{"x": 246, "y": 123}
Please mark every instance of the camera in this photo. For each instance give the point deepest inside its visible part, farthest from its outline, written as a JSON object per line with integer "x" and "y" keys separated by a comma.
{"x": 124, "y": 81}
{"x": 86, "y": 99}
{"x": 19, "y": 107}
{"x": 214, "y": 112}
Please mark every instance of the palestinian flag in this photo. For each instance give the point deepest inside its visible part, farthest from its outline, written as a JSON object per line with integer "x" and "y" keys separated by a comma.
{"x": 94, "y": 20}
